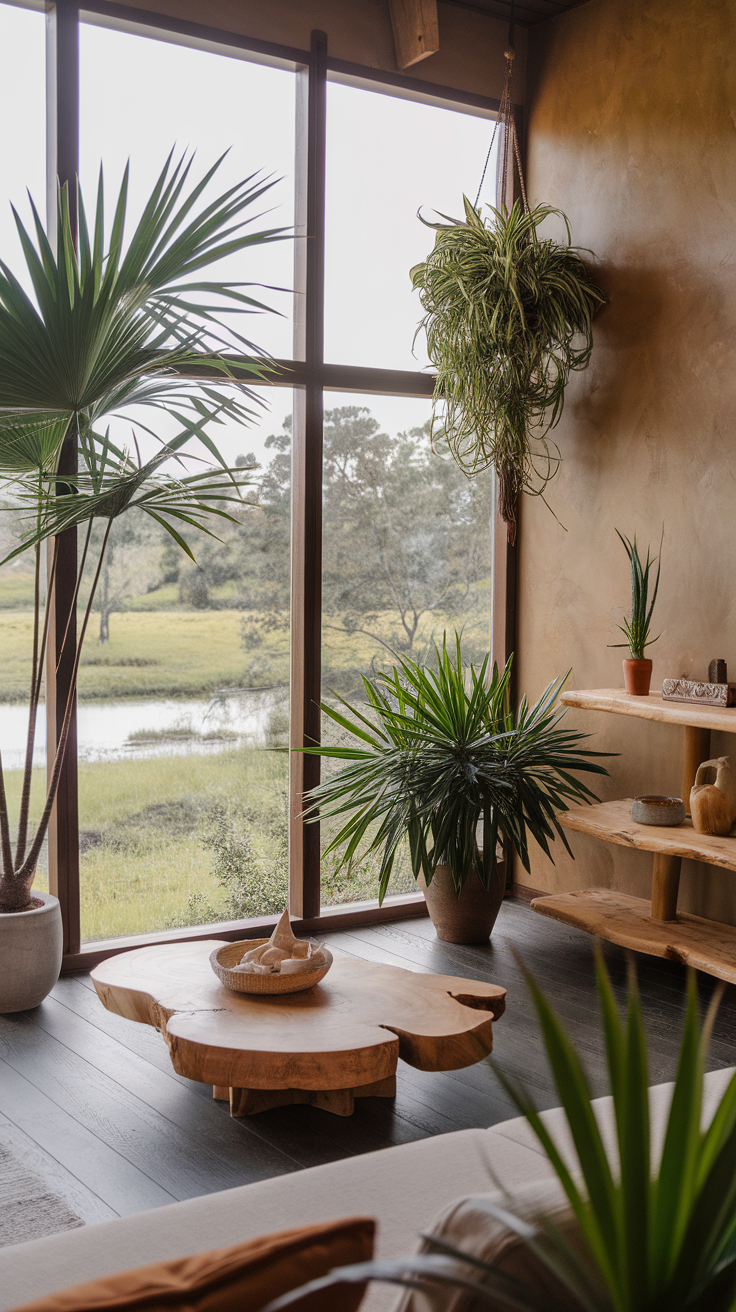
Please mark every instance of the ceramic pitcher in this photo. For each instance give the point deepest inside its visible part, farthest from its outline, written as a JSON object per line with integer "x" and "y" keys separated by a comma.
{"x": 713, "y": 797}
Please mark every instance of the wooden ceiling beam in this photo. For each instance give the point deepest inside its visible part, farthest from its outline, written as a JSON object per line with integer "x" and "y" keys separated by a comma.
{"x": 416, "y": 30}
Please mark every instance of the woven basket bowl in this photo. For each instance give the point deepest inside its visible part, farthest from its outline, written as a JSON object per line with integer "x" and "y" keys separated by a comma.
{"x": 240, "y": 982}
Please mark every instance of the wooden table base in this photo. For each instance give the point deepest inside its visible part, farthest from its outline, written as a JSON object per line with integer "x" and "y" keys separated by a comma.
{"x": 341, "y": 1102}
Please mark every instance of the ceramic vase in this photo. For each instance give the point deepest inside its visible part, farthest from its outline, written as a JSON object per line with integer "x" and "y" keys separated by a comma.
{"x": 31, "y": 948}
{"x": 470, "y": 917}
{"x": 713, "y": 797}
{"x": 637, "y": 676}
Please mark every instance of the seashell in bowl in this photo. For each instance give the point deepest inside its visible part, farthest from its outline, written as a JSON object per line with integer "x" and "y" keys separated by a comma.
{"x": 656, "y": 810}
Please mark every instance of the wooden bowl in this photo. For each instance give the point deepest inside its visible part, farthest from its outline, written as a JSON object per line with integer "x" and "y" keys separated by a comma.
{"x": 241, "y": 982}
{"x": 655, "y": 810}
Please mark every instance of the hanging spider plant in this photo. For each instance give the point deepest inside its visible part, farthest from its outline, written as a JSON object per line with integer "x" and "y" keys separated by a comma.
{"x": 508, "y": 317}
{"x": 113, "y": 324}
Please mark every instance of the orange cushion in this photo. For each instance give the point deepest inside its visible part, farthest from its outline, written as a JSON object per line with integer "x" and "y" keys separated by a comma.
{"x": 243, "y": 1278}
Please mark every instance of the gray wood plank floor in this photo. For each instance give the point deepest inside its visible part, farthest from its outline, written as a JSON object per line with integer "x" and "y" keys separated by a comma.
{"x": 91, "y": 1102}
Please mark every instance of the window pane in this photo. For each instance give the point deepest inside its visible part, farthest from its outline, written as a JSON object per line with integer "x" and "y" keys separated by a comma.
{"x": 142, "y": 97}
{"x": 386, "y": 159}
{"x": 184, "y": 691}
{"x": 185, "y": 677}
{"x": 23, "y": 114}
{"x": 407, "y": 556}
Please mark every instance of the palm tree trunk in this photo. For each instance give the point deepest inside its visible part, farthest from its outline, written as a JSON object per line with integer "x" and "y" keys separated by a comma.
{"x": 28, "y": 869}
{"x": 105, "y": 606}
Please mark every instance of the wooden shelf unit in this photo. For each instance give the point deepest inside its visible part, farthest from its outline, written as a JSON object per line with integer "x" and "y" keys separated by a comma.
{"x": 704, "y": 944}
{"x": 654, "y": 927}
{"x": 697, "y": 721}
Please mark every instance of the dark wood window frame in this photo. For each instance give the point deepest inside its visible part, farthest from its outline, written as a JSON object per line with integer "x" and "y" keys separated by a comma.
{"x": 309, "y": 376}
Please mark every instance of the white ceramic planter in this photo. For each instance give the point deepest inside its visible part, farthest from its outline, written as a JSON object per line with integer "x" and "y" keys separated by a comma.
{"x": 31, "y": 947}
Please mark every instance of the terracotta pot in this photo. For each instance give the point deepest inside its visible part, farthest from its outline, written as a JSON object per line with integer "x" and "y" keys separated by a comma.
{"x": 637, "y": 676}
{"x": 30, "y": 954}
{"x": 470, "y": 917}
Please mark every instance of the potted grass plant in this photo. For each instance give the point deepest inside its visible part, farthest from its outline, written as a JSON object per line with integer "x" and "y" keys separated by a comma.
{"x": 437, "y": 757}
{"x": 508, "y": 316}
{"x": 111, "y": 322}
{"x": 637, "y": 665}
{"x": 640, "y": 1233}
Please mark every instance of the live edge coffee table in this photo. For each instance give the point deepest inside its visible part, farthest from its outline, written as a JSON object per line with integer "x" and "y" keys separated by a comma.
{"x": 333, "y": 1043}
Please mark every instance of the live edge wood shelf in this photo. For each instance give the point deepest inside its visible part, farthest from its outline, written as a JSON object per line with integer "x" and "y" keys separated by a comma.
{"x": 654, "y": 927}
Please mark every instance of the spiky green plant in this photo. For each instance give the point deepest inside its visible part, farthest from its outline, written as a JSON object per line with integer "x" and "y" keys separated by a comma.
{"x": 115, "y": 322}
{"x": 508, "y": 316}
{"x": 652, "y": 1240}
{"x": 636, "y": 629}
{"x": 440, "y": 750}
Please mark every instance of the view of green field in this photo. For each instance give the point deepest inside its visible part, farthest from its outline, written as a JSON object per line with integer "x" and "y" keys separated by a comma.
{"x": 183, "y": 811}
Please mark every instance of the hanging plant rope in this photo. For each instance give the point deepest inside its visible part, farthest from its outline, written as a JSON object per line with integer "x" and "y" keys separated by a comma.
{"x": 508, "y": 315}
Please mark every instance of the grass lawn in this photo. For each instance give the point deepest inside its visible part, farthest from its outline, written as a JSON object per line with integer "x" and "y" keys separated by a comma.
{"x": 193, "y": 653}
{"x": 143, "y": 863}
{"x": 142, "y": 824}
{"x": 150, "y": 654}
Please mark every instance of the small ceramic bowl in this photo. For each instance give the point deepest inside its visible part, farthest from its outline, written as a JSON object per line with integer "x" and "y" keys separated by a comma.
{"x": 654, "y": 810}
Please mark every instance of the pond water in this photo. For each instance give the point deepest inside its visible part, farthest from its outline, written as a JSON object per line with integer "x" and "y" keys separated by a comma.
{"x": 134, "y": 730}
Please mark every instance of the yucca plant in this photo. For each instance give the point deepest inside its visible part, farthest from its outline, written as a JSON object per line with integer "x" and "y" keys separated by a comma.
{"x": 508, "y": 316}
{"x": 654, "y": 1237}
{"x": 636, "y": 629}
{"x": 439, "y": 750}
{"x": 115, "y": 322}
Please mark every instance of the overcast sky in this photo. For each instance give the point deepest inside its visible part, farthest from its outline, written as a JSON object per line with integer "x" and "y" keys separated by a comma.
{"x": 387, "y": 158}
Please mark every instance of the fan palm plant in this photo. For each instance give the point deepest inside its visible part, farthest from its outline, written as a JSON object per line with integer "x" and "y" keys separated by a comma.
{"x": 114, "y": 323}
{"x": 508, "y": 316}
{"x": 439, "y": 751}
{"x": 650, "y": 1240}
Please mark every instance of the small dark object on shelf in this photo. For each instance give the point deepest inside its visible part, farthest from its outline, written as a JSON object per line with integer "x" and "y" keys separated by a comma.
{"x": 718, "y": 672}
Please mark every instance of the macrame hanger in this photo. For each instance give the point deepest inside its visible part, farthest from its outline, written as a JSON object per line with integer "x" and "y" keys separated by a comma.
{"x": 509, "y": 141}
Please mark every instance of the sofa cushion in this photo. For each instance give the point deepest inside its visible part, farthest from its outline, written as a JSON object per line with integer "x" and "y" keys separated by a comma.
{"x": 228, "y": 1279}
{"x": 520, "y": 1132}
{"x": 468, "y": 1225}
{"x": 402, "y": 1187}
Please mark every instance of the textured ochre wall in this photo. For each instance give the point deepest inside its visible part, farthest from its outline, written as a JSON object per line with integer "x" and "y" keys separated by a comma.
{"x": 471, "y": 45}
{"x": 631, "y": 112}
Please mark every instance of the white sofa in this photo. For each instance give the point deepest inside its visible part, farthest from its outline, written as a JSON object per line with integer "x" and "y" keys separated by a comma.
{"x": 404, "y": 1188}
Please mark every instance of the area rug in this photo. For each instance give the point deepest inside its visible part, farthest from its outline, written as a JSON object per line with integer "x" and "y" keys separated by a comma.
{"x": 28, "y": 1208}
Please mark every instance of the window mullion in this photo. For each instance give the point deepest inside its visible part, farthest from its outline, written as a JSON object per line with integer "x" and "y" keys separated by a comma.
{"x": 62, "y": 71}
{"x": 306, "y": 575}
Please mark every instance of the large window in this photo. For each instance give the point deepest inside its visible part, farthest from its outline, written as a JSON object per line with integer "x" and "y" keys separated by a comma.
{"x": 194, "y": 676}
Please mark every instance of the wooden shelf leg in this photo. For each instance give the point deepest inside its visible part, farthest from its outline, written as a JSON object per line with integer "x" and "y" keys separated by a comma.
{"x": 665, "y": 884}
{"x": 697, "y": 750}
